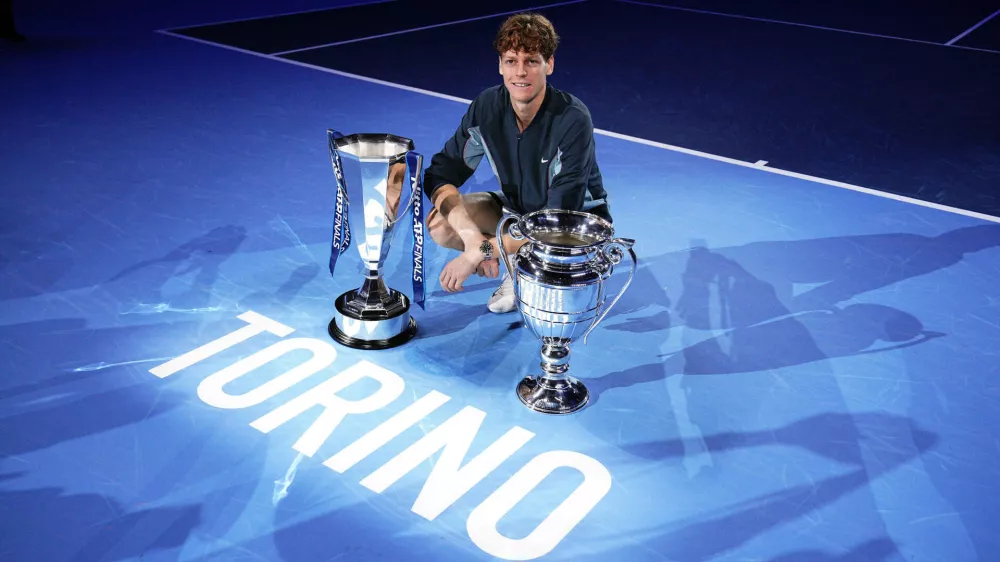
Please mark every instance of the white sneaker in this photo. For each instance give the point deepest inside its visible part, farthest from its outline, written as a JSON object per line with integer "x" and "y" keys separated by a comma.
{"x": 503, "y": 299}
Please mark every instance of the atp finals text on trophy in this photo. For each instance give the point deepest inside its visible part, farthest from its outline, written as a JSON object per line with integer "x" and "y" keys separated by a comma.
{"x": 371, "y": 170}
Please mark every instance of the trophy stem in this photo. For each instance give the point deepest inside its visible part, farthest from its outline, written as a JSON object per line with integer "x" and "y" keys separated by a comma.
{"x": 373, "y": 292}
{"x": 555, "y": 391}
{"x": 555, "y": 361}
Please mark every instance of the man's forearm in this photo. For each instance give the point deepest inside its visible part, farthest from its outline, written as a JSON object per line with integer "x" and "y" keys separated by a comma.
{"x": 448, "y": 201}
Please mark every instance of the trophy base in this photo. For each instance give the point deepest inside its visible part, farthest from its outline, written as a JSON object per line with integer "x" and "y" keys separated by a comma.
{"x": 552, "y": 396}
{"x": 372, "y": 328}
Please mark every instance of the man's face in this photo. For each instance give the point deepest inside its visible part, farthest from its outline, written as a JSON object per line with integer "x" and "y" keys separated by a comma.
{"x": 524, "y": 74}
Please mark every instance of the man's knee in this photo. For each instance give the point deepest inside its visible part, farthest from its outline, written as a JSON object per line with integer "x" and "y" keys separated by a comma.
{"x": 439, "y": 230}
{"x": 482, "y": 209}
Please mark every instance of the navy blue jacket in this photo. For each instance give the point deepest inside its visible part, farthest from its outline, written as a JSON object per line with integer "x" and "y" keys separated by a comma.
{"x": 552, "y": 164}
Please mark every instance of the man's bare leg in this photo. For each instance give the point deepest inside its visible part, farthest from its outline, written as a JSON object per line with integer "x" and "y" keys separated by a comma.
{"x": 482, "y": 209}
{"x": 485, "y": 212}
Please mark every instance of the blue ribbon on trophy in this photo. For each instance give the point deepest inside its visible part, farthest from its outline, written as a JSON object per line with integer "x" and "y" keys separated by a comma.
{"x": 414, "y": 173}
{"x": 341, "y": 239}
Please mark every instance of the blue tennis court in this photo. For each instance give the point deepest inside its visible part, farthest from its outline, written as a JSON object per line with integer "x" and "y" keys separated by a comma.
{"x": 800, "y": 371}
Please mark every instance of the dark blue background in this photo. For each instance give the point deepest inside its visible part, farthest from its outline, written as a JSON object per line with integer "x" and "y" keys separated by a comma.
{"x": 910, "y": 118}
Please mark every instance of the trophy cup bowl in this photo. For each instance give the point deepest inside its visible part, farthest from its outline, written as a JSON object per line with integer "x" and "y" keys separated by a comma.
{"x": 371, "y": 170}
{"x": 559, "y": 279}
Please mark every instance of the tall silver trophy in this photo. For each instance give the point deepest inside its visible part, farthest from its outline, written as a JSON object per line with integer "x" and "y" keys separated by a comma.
{"x": 559, "y": 279}
{"x": 371, "y": 171}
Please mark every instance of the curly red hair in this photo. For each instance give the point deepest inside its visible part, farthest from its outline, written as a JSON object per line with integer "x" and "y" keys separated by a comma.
{"x": 527, "y": 32}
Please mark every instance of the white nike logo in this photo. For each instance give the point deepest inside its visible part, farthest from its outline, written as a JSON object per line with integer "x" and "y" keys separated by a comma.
{"x": 544, "y": 160}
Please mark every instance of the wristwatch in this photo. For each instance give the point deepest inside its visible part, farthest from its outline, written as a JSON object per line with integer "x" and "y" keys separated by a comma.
{"x": 487, "y": 249}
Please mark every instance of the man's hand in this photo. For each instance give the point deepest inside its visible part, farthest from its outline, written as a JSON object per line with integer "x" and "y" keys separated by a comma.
{"x": 489, "y": 268}
{"x": 459, "y": 269}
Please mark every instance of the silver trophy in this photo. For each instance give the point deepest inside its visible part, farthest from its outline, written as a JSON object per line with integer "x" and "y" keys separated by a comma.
{"x": 559, "y": 279}
{"x": 371, "y": 171}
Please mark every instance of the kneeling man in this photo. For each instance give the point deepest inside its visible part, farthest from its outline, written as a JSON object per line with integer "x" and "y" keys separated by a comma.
{"x": 539, "y": 142}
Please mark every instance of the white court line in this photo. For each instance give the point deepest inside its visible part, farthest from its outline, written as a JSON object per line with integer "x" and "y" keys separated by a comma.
{"x": 973, "y": 28}
{"x": 390, "y": 34}
{"x": 356, "y": 4}
{"x": 779, "y": 171}
{"x": 706, "y": 155}
{"x": 824, "y": 28}
{"x": 315, "y": 67}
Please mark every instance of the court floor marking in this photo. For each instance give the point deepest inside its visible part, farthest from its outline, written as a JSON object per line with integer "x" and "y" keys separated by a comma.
{"x": 688, "y": 151}
{"x": 309, "y": 11}
{"x": 314, "y": 67}
{"x": 973, "y": 28}
{"x": 821, "y": 27}
{"x": 436, "y": 25}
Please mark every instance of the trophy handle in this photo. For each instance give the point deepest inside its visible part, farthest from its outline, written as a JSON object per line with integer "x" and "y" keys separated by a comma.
{"x": 515, "y": 233}
{"x": 614, "y": 252}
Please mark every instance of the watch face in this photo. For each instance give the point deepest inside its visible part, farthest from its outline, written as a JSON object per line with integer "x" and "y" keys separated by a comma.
{"x": 486, "y": 249}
